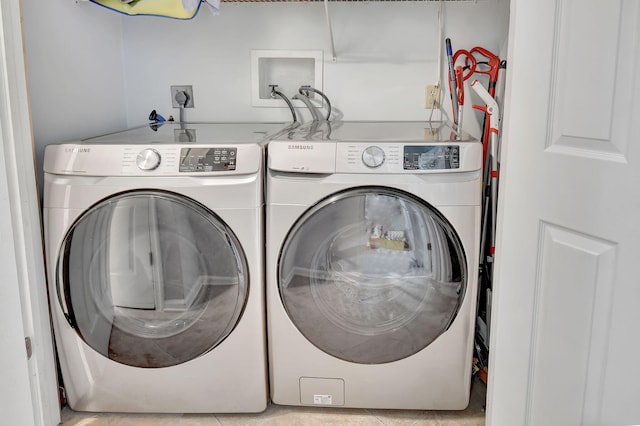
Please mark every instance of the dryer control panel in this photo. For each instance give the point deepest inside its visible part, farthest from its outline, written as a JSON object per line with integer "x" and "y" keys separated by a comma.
{"x": 153, "y": 160}
{"x": 431, "y": 157}
{"x": 198, "y": 160}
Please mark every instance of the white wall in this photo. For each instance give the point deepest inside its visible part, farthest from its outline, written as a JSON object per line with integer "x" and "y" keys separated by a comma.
{"x": 75, "y": 68}
{"x": 387, "y": 53}
{"x": 92, "y": 70}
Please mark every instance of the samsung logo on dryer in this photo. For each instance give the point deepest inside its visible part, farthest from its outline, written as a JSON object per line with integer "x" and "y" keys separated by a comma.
{"x": 300, "y": 146}
{"x": 78, "y": 149}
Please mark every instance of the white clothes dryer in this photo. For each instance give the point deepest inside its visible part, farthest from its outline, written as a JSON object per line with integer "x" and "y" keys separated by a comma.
{"x": 154, "y": 247}
{"x": 373, "y": 234}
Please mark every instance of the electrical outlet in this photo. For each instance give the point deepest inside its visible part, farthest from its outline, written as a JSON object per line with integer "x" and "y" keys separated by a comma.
{"x": 432, "y": 134}
{"x": 177, "y": 89}
{"x": 432, "y": 97}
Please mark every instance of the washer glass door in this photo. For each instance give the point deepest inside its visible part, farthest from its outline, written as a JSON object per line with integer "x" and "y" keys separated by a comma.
{"x": 372, "y": 275}
{"x": 151, "y": 278}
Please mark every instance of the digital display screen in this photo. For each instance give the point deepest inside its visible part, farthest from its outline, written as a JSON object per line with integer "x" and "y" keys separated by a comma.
{"x": 431, "y": 157}
{"x": 207, "y": 159}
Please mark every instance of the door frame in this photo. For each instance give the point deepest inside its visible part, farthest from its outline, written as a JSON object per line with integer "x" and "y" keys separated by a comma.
{"x": 24, "y": 311}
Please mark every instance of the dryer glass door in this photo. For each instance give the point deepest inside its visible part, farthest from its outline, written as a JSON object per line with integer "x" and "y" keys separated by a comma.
{"x": 372, "y": 275}
{"x": 151, "y": 279}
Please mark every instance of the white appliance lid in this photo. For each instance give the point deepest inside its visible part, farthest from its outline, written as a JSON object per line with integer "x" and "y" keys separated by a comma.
{"x": 372, "y": 131}
{"x": 171, "y": 132}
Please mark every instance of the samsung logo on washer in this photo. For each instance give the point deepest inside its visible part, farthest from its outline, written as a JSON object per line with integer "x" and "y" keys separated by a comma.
{"x": 300, "y": 146}
{"x": 77, "y": 149}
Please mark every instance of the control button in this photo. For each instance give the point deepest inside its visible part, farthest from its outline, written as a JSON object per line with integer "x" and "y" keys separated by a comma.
{"x": 148, "y": 159}
{"x": 373, "y": 156}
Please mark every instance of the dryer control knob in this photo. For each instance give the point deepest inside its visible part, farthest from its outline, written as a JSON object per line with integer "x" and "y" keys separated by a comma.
{"x": 373, "y": 156}
{"x": 148, "y": 159}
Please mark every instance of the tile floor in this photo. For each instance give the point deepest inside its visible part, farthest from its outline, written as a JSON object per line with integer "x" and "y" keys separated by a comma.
{"x": 281, "y": 415}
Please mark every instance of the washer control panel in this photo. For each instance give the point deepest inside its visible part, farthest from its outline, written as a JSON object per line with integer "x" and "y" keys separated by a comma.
{"x": 373, "y": 156}
{"x": 431, "y": 157}
{"x": 327, "y": 157}
{"x": 198, "y": 160}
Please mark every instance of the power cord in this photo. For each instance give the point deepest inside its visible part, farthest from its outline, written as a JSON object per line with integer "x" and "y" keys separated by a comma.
{"x": 182, "y": 98}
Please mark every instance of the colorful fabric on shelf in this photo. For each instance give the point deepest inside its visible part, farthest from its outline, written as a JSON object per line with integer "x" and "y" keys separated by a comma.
{"x": 178, "y": 9}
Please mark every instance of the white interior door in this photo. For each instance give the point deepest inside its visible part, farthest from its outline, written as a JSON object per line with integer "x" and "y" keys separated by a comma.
{"x": 29, "y": 393}
{"x": 565, "y": 337}
{"x": 16, "y": 404}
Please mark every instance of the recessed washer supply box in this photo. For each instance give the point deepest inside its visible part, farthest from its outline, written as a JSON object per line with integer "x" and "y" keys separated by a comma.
{"x": 289, "y": 69}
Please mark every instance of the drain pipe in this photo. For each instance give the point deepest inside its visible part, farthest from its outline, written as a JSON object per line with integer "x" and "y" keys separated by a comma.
{"x": 304, "y": 90}
{"x": 314, "y": 112}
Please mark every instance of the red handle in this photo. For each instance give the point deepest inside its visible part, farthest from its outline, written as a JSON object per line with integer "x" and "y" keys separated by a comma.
{"x": 459, "y": 84}
{"x": 493, "y": 66}
{"x": 470, "y": 63}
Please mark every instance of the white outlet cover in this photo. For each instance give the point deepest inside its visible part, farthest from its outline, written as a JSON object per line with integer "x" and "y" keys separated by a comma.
{"x": 289, "y": 69}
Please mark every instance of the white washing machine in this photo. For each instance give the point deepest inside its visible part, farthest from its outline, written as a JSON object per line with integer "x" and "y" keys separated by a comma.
{"x": 154, "y": 247}
{"x": 373, "y": 233}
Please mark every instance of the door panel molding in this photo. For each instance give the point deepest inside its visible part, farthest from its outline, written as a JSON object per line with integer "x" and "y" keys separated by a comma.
{"x": 574, "y": 270}
{"x": 591, "y": 73}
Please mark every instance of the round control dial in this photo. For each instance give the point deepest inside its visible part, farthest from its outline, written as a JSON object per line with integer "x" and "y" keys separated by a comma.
{"x": 148, "y": 159}
{"x": 373, "y": 156}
